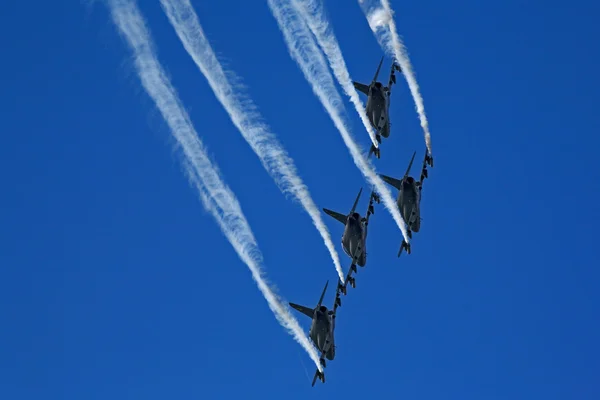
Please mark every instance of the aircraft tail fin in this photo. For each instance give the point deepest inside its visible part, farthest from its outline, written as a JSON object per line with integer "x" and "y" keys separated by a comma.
{"x": 404, "y": 246}
{"x": 377, "y": 72}
{"x": 340, "y": 217}
{"x": 356, "y": 201}
{"x": 320, "y": 375}
{"x": 410, "y": 164}
{"x": 323, "y": 294}
{"x": 361, "y": 87}
{"x": 375, "y": 150}
{"x": 309, "y": 312}
{"x": 397, "y": 183}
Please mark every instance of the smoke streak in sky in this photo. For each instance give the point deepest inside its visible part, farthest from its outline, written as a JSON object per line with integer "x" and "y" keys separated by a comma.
{"x": 305, "y": 52}
{"x": 313, "y": 13}
{"x": 243, "y": 113}
{"x": 215, "y": 195}
{"x": 381, "y": 21}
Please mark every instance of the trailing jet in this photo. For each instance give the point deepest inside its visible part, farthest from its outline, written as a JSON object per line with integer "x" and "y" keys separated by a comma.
{"x": 378, "y": 104}
{"x": 409, "y": 197}
{"x": 321, "y": 331}
{"x": 355, "y": 232}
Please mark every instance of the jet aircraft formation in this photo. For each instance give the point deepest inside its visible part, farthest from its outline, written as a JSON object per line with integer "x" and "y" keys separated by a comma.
{"x": 300, "y": 22}
{"x": 354, "y": 238}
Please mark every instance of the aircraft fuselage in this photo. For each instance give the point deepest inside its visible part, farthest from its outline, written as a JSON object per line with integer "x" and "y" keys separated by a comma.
{"x": 409, "y": 200}
{"x": 377, "y": 109}
{"x": 354, "y": 239}
{"x": 321, "y": 332}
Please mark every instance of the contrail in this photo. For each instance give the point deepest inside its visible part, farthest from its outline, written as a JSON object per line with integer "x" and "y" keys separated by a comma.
{"x": 382, "y": 24}
{"x": 215, "y": 195}
{"x": 309, "y": 58}
{"x": 244, "y": 115}
{"x": 315, "y": 17}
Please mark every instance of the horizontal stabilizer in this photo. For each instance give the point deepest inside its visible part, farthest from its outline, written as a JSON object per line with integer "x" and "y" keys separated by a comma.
{"x": 374, "y": 150}
{"x": 320, "y": 375}
{"x": 397, "y": 183}
{"x": 403, "y": 246}
{"x": 309, "y": 312}
{"x": 361, "y": 87}
{"x": 340, "y": 217}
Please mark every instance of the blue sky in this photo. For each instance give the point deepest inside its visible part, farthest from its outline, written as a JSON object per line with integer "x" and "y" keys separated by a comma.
{"x": 115, "y": 283}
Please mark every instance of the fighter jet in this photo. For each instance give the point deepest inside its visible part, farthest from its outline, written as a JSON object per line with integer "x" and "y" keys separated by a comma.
{"x": 378, "y": 104}
{"x": 354, "y": 240}
{"x": 321, "y": 331}
{"x": 342, "y": 287}
{"x": 409, "y": 197}
{"x": 355, "y": 233}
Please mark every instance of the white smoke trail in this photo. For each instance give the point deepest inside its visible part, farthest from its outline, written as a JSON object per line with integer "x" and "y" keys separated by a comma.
{"x": 309, "y": 58}
{"x": 382, "y": 24}
{"x": 216, "y": 196}
{"x": 244, "y": 115}
{"x": 314, "y": 15}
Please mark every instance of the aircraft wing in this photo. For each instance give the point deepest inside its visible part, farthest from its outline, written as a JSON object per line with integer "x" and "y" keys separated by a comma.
{"x": 428, "y": 159}
{"x": 395, "y": 67}
{"x": 371, "y": 210}
{"x": 342, "y": 288}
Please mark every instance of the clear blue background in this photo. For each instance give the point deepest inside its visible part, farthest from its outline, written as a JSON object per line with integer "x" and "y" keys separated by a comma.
{"x": 116, "y": 284}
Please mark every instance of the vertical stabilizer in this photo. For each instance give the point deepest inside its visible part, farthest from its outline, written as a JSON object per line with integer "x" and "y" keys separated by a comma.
{"x": 410, "y": 165}
{"x": 377, "y": 72}
{"x": 323, "y": 294}
{"x": 356, "y": 201}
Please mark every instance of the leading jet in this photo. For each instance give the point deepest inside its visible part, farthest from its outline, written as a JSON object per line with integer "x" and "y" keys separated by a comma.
{"x": 409, "y": 197}
{"x": 378, "y": 103}
{"x": 321, "y": 331}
